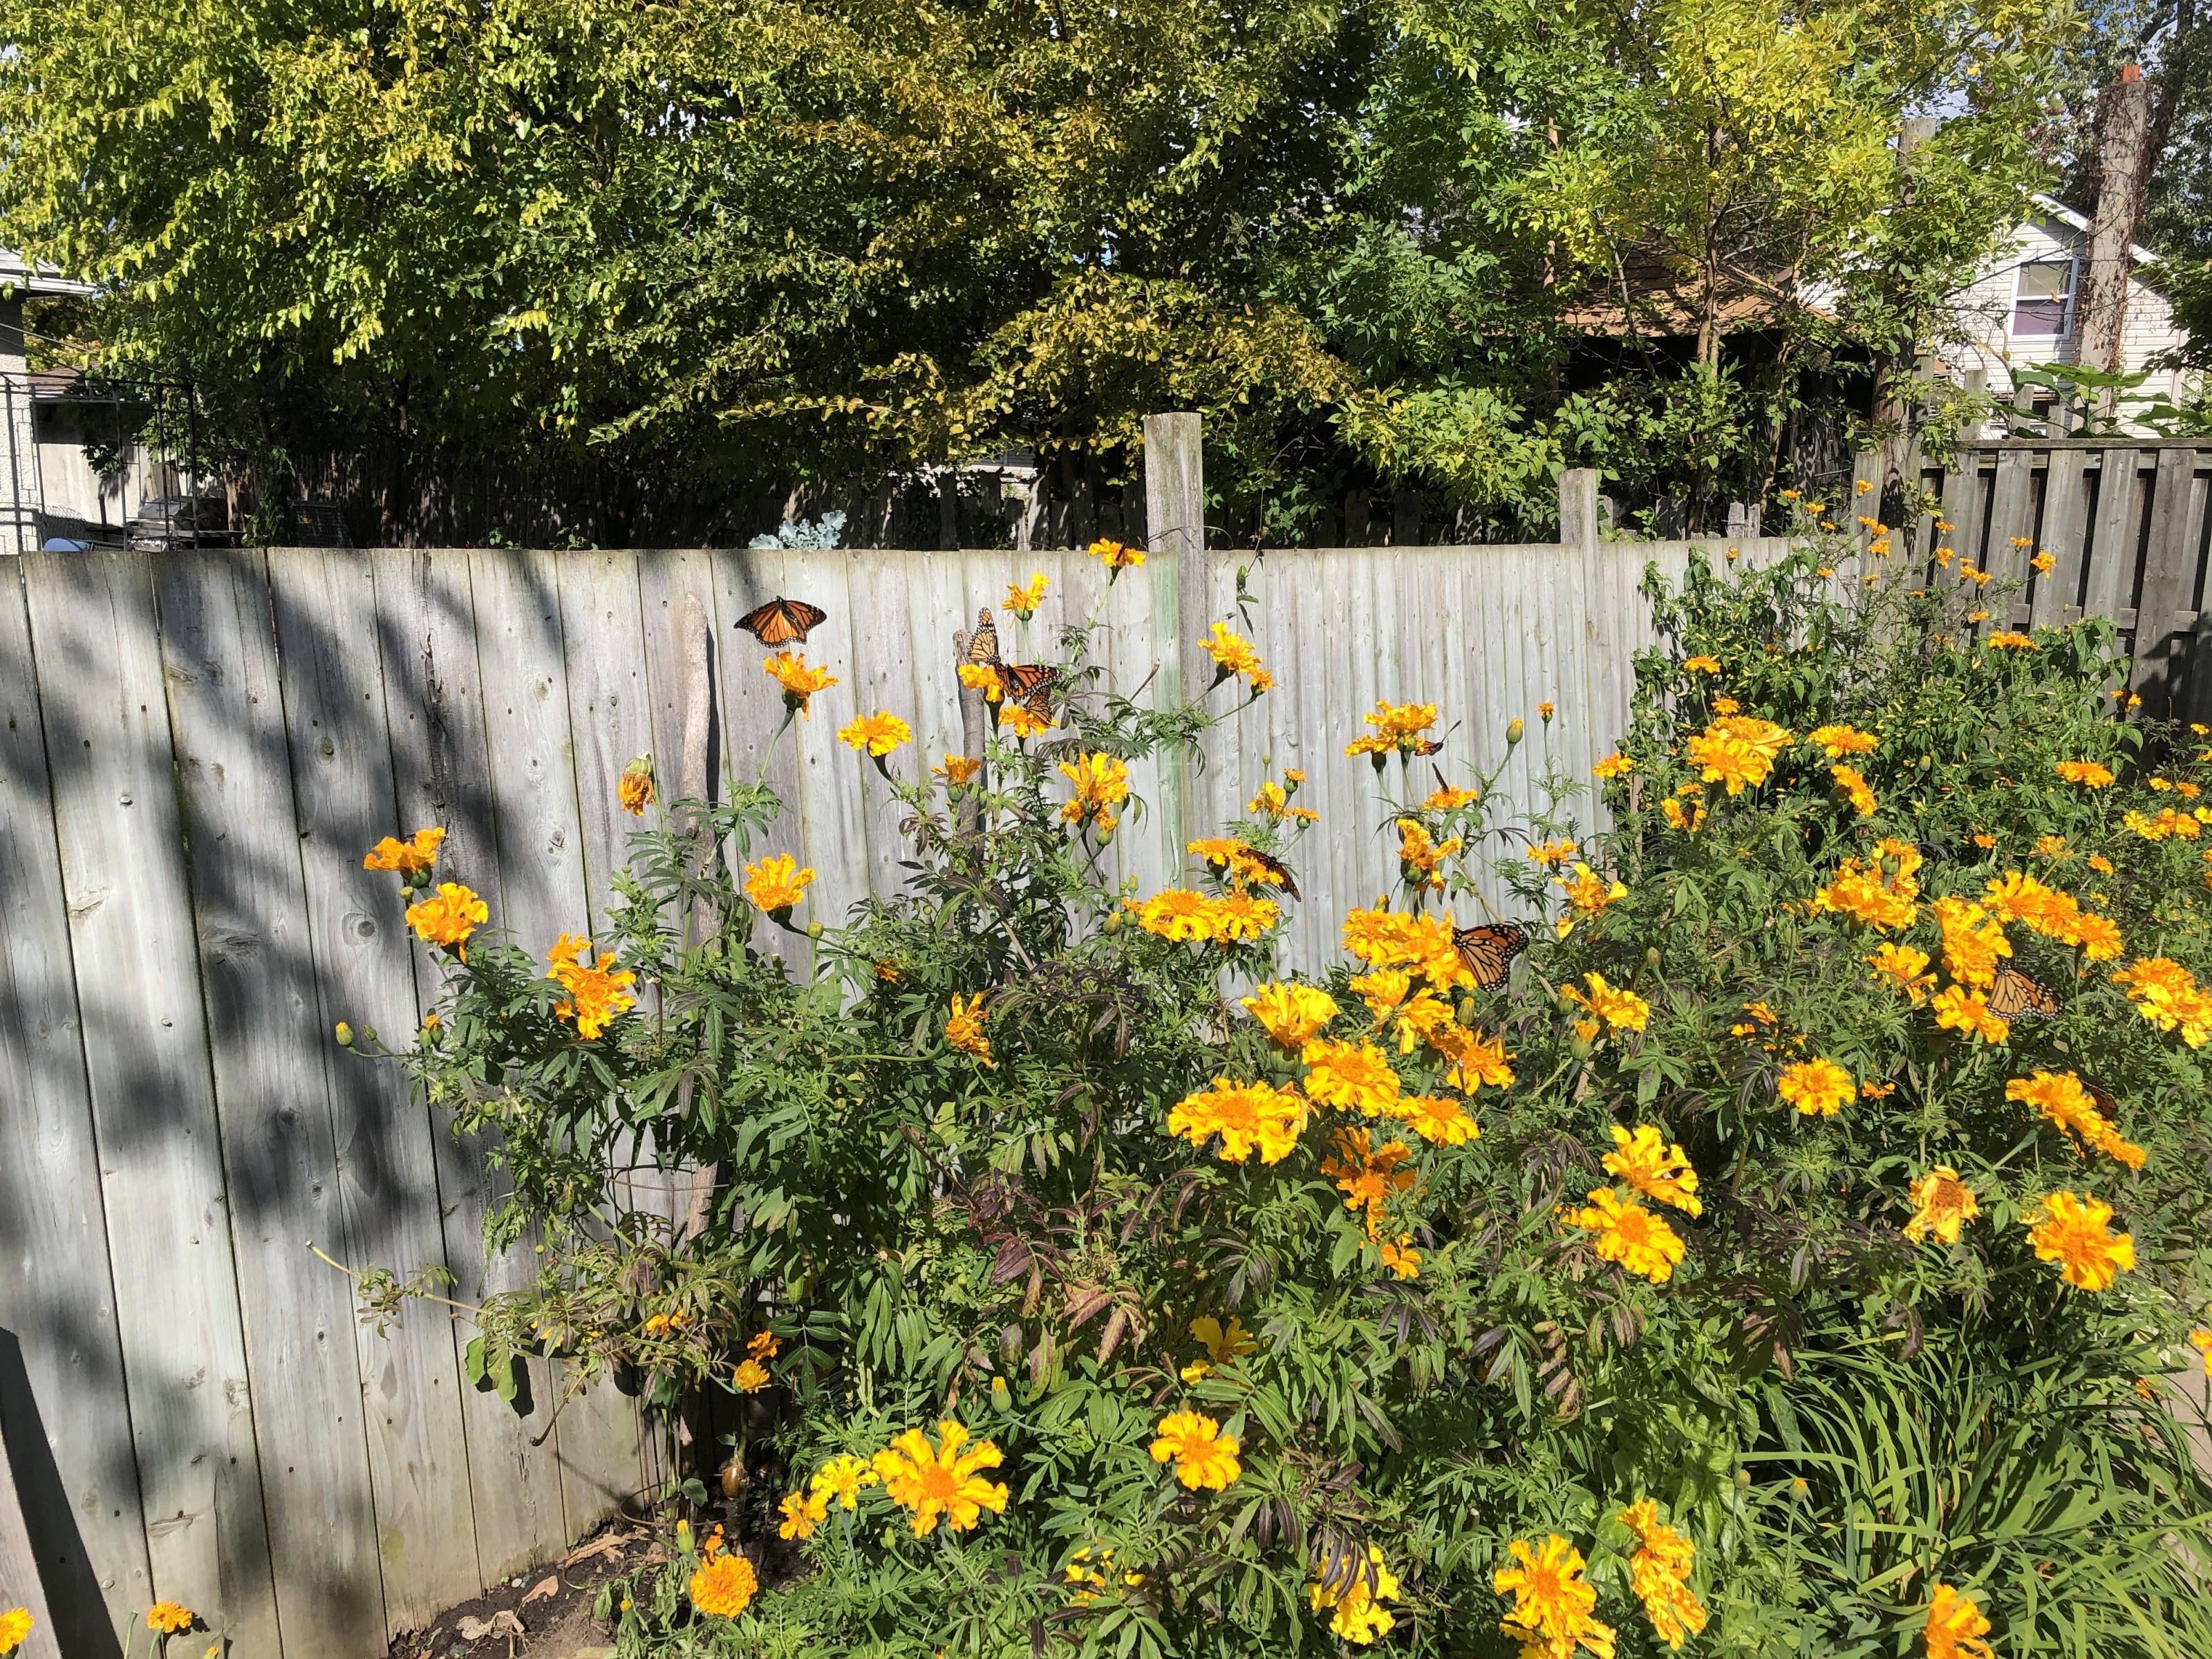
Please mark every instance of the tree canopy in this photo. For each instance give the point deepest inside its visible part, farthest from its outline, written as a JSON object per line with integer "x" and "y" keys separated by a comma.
{"x": 709, "y": 246}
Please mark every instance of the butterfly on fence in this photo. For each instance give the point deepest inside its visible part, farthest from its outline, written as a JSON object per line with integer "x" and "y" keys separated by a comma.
{"x": 1487, "y": 951}
{"x": 2015, "y": 996}
{"x": 781, "y": 621}
{"x": 1030, "y": 683}
{"x": 984, "y": 643}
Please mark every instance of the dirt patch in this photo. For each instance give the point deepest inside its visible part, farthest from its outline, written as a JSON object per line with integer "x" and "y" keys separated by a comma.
{"x": 541, "y": 1614}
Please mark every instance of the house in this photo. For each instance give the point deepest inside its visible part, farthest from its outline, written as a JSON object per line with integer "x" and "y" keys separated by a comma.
{"x": 2023, "y": 310}
{"x": 21, "y": 491}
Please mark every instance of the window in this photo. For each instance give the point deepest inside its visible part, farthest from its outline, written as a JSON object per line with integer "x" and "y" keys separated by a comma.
{"x": 2045, "y": 292}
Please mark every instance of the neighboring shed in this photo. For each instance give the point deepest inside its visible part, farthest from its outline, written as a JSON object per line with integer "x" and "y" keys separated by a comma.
{"x": 19, "y": 493}
{"x": 2023, "y": 309}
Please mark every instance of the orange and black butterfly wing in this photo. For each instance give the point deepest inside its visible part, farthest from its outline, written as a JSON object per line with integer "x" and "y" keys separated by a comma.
{"x": 1488, "y": 950}
{"x": 781, "y": 621}
{"x": 984, "y": 643}
{"x": 1275, "y": 867}
{"x": 1427, "y": 746}
{"x": 1030, "y": 682}
{"x": 2016, "y": 996}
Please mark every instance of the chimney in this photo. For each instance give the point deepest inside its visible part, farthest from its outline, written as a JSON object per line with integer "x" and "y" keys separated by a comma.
{"x": 2101, "y": 309}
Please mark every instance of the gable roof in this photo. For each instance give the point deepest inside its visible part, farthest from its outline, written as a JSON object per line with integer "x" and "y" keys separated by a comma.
{"x": 19, "y": 276}
{"x": 2066, "y": 216}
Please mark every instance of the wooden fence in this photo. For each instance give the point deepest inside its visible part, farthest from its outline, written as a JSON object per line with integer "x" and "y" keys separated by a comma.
{"x": 2125, "y": 524}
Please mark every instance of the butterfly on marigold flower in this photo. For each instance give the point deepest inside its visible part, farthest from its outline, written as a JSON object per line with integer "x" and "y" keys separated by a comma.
{"x": 2015, "y": 996}
{"x": 984, "y": 643}
{"x": 1030, "y": 684}
{"x": 1488, "y": 950}
{"x": 781, "y": 621}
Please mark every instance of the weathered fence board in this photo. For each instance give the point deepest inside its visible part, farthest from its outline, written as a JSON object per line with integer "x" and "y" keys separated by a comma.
{"x": 189, "y": 786}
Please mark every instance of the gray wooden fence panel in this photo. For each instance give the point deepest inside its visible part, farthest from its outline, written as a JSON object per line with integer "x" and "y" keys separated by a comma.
{"x": 2063, "y": 534}
{"x": 267, "y": 1043}
{"x": 327, "y": 610}
{"x": 122, "y": 858}
{"x": 57, "y": 1295}
{"x": 2166, "y": 613}
{"x": 610, "y": 709}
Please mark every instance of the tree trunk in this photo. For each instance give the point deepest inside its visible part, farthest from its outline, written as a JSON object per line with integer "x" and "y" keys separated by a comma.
{"x": 2121, "y": 175}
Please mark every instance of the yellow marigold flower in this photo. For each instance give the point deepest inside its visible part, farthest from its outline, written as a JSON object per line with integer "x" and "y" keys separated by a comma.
{"x": 1247, "y": 1116}
{"x": 763, "y": 1345}
{"x": 1025, "y": 601}
{"x": 2060, "y": 1097}
{"x": 1817, "y": 1087}
{"x": 1737, "y": 750}
{"x": 1906, "y": 969}
{"x": 2168, "y": 824}
{"x": 879, "y": 733}
{"x": 842, "y": 1478}
{"x": 2042, "y": 563}
{"x": 1367, "y": 1174}
{"x": 1289, "y": 1013}
{"x": 1613, "y": 766}
{"x": 1356, "y": 1613}
{"x": 1624, "y": 1011}
{"x": 1397, "y": 726}
{"x": 1272, "y": 800}
{"x": 1222, "y": 1345}
{"x": 1972, "y": 941}
{"x": 1101, "y": 783}
{"x": 942, "y": 1480}
{"x": 1639, "y": 1241}
{"x": 634, "y": 787}
{"x": 1849, "y": 780}
{"x": 1241, "y": 916}
{"x": 2005, "y": 640}
{"x": 2101, "y": 864}
{"x": 1177, "y": 913}
{"x": 776, "y": 883}
{"x": 1438, "y": 1119}
{"x": 15, "y": 1626}
{"x": 1017, "y": 719}
{"x": 2052, "y": 847}
{"x": 1202, "y": 1454}
{"x": 1659, "y": 1573}
{"x": 2087, "y": 774}
{"x": 1691, "y": 821}
{"x": 2072, "y": 1231}
{"x": 1232, "y": 654}
{"x": 595, "y": 996}
{"x": 1960, "y": 1009}
{"x": 800, "y": 683}
{"x": 751, "y": 1376}
{"x": 1403, "y": 1261}
{"x": 1544, "y": 711}
{"x": 1476, "y": 1059}
{"x": 1349, "y": 1077}
{"x": 1117, "y": 556}
{"x": 1659, "y": 1171}
{"x": 410, "y": 857}
{"x": 170, "y": 1618}
{"x": 1449, "y": 798}
{"x": 963, "y": 1028}
{"x": 449, "y": 917}
{"x": 1726, "y": 705}
{"x": 1875, "y": 895}
{"x": 1590, "y": 894}
{"x": 2167, "y": 994}
{"x": 1838, "y": 741}
{"x": 957, "y": 768}
{"x": 984, "y": 677}
{"x": 802, "y": 1512}
{"x": 1941, "y": 1204}
{"x": 1419, "y": 857}
{"x": 724, "y": 1586}
{"x": 1552, "y": 853}
{"x": 1701, "y": 666}
{"x": 1955, "y": 1626}
{"x": 2202, "y": 1341}
{"x": 1551, "y": 1605}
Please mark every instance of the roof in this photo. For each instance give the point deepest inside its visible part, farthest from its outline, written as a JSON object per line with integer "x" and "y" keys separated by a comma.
{"x": 19, "y": 276}
{"x": 2082, "y": 221}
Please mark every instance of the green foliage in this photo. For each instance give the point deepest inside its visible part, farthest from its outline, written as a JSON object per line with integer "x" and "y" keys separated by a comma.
{"x": 906, "y": 1228}
{"x": 714, "y": 246}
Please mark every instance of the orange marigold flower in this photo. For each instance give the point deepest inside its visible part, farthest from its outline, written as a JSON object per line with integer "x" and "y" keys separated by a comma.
{"x": 2089, "y": 774}
{"x": 879, "y": 733}
{"x": 724, "y": 1586}
{"x": 1840, "y": 740}
{"x": 15, "y": 1626}
{"x": 1972, "y": 941}
{"x": 1438, "y": 1119}
{"x": 1551, "y": 1605}
{"x": 2167, "y": 994}
{"x": 1906, "y": 969}
{"x": 1203, "y": 1457}
{"x": 802, "y": 1513}
{"x": 776, "y": 883}
{"x": 751, "y": 1376}
{"x": 1955, "y": 1626}
{"x": 449, "y": 917}
{"x": 1960, "y": 1009}
{"x": 411, "y": 857}
{"x": 1367, "y": 1174}
{"x": 170, "y": 1618}
{"x": 984, "y": 677}
{"x": 1659, "y": 1573}
{"x": 1247, "y": 1116}
{"x": 1817, "y": 1087}
{"x": 1630, "y": 1235}
{"x": 634, "y": 787}
{"x": 1700, "y": 665}
{"x": 1355, "y": 1609}
{"x": 1117, "y": 556}
{"x": 1025, "y": 601}
{"x": 2005, "y": 640}
{"x": 1613, "y": 766}
{"x": 963, "y": 1028}
{"x": 1660, "y": 1172}
{"x": 595, "y": 996}
{"x": 1350, "y": 1077}
{"x": 1291, "y": 1014}
{"x": 1234, "y": 654}
{"x": 941, "y": 1480}
{"x": 800, "y": 683}
{"x": 1941, "y": 1204}
{"x": 1177, "y": 913}
{"x": 1854, "y": 785}
{"x": 1737, "y": 750}
{"x": 957, "y": 768}
{"x": 1622, "y": 1009}
{"x": 1101, "y": 783}
{"x": 2073, "y": 1233}
{"x": 2060, "y": 1097}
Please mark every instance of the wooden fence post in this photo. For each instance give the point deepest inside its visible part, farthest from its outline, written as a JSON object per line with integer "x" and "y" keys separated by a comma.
{"x": 1175, "y": 522}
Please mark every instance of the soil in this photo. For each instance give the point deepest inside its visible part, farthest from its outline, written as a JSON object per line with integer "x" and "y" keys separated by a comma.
{"x": 546, "y": 1614}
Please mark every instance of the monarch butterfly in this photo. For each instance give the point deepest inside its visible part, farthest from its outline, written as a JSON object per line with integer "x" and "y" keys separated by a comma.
{"x": 1274, "y": 865}
{"x": 1428, "y": 746}
{"x": 1488, "y": 950}
{"x": 1031, "y": 684}
{"x": 2015, "y": 996}
{"x": 984, "y": 643}
{"x": 781, "y": 621}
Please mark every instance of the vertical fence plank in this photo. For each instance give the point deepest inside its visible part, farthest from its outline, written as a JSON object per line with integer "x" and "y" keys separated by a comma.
{"x": 2012, "y": 517}
{"x": 332, "y": 652}
{"x": 1965, "y": 497}
{"x": 57, "y": 1292}
{"x": 442, "y": 769}
{"x": 610, "y": 711}
{"x": 882, "y": 671}
{"x": 2064, "y": 535}
{"x": 2165, "y": 619}
{"x": 836, "y": 832}
{"x": 267, "y": 1041}
{"x": 541, "y": 861}
{"x": 2113, "y": 547}
{"x": 107, "y": 728}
